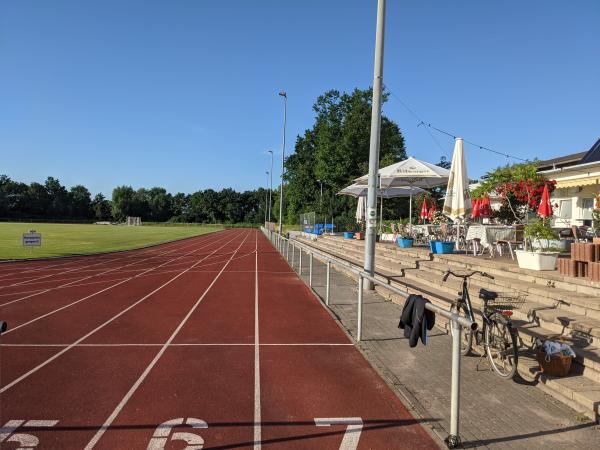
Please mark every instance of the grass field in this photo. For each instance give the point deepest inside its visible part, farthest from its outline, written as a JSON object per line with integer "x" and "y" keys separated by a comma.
{"x": 70, "y": 239}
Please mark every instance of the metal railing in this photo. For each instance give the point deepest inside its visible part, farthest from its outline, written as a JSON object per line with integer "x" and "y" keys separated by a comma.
{"x": 283, "y": 244}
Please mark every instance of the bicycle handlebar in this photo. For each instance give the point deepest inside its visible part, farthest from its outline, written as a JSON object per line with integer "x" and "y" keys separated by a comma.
{"x": 464, "y": 277}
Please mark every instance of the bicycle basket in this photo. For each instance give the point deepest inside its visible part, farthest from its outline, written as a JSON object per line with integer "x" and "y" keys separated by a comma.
{"x": 507, "y": 302}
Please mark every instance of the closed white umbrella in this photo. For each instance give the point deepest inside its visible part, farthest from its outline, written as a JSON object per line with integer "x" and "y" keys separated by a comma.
{"x": 411, "y": 172}
{"x": 360, "y": 209}
{"x": 457, "y": 204}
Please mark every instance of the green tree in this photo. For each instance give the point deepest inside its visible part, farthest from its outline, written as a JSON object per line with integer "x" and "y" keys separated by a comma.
{"x": 101, "y": 208}
{"x": 81, "y": 202}
{"x": 124, "y": 202}
{"x": 336, "y": 150}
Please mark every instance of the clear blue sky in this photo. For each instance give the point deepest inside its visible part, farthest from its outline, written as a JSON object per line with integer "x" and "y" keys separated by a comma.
{"x": 183, "y": 94}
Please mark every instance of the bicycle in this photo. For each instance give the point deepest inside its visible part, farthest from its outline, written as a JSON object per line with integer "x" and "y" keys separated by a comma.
{"x": 498, "y": 335}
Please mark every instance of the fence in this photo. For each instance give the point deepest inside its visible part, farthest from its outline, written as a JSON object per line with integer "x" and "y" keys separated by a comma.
{"x": 307, "y": 222}
{"x": 283, "y": 244}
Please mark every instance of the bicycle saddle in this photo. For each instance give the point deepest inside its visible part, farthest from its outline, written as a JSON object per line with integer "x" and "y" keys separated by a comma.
{"x": 487, "y": 295}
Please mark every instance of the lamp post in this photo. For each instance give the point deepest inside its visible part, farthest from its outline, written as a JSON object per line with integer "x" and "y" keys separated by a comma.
{"x": 266, "y": 197}
{"x": 284, "y": 95}
{"x": 271, "y": 188}
{"x": 321, "y": 200}
{"x": 374, "y": 144}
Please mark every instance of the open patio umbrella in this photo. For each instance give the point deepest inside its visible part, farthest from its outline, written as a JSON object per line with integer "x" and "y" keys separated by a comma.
{"x": 360, "y": 191}
{"x": 545, "y": 208}
{"x": 411, "y": 172}
{"x": 485, "y": 208}
{"x": 424, "y": 210}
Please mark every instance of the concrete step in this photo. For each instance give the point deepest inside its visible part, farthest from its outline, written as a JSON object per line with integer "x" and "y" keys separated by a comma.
{"x": 580, "y": 390}
{"x": 575, "y": 303}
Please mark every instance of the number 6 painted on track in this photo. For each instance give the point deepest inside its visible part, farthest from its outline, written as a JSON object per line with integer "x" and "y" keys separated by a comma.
{"x": 162, "y": 432}
{"x": 353, "y": 430}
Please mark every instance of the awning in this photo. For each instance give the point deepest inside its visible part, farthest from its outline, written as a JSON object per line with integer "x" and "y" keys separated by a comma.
{"x": 587, "y": 181}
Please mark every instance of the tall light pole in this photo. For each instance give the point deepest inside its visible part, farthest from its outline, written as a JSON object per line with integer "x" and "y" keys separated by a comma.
{"x": 284, "y": 95}
{"x": 374, "y": 144}
{"x": 321, "y": 201}
{"x": 266, "y": 197}
{"x": 271, "y": 188}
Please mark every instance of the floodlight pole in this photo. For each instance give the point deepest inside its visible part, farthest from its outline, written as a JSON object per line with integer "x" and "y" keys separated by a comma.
{"x": 374, "y": 145}
{"x": 271, "y": 186}
{"x": 266, "y": 197}
{"x": 284, "y": 95}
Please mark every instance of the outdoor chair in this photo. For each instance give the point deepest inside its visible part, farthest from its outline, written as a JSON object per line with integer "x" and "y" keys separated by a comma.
{"x": 475, "y": 244}
{"x": 519, "y": 240}
{"x": 578, "y": 234}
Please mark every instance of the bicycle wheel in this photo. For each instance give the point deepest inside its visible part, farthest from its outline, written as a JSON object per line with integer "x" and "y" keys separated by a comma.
{"x": 501, "y": 347}
{"x": 467, "y": 335}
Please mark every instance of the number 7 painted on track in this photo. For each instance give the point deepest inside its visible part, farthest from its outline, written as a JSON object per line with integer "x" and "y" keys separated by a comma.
{"x": 353, "y": 429}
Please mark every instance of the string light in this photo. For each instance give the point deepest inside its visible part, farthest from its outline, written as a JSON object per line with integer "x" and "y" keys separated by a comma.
{"x": 428, "y": 126}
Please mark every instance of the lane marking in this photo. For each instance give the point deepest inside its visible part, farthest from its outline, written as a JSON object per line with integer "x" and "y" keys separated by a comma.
{"x": 257, "y": 412}
{"x": 206, "y": 344}
{"x": 78, "y": 341}
{"x": 150, "y": 366}
{"x": 43, "y": 291}
{"x": 14, "y": 328}
{"x": 353, "y": 429}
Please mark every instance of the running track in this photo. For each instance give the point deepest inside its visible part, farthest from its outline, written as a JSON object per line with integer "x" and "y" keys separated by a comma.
{"x": 209, "y": 342}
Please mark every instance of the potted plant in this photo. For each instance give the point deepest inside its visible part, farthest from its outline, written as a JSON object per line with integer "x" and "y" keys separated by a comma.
{"x": 405, "y": 240}
{"x": 360, "y": 233}
{"x": 544, "y": 257}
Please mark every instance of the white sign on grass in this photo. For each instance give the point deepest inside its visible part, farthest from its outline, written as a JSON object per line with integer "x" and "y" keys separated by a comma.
{"x": 32, "y": 239}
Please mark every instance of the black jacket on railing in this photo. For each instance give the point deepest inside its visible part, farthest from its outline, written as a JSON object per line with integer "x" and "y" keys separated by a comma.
{"x": 415, "y": 320}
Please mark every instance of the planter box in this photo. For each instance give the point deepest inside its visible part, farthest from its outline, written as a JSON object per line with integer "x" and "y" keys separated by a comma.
{"x": 536, "y": 261}
{"x": 432, "y": 246}
{"x": 563, "y": 244}
{"x": 444, "y": 247}
{"x": 348, "y": 235}
{"x": 405, "y": 243}
{"x": 360, "y": 235}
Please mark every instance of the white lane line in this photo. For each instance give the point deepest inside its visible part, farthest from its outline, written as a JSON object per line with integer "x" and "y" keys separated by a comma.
{"x": 80, "y": 340}
{"x": 257, "y": 412}
{"x": 54, "y": 311}
{"x": 137, "y": 261}
{"x": 206, "y": 344}
{"x": 145, "y": 373}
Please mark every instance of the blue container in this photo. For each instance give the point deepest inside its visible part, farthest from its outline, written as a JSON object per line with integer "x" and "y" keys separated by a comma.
{"x": 432, "y": 246}
{"x": 348, "y": 235}
{"x": 444, "y": 247}
{"x": 405, "y": 243}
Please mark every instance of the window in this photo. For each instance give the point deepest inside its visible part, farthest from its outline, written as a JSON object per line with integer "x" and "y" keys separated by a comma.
{"x": 588, "y": 206}
{"x": 566, "y": 209}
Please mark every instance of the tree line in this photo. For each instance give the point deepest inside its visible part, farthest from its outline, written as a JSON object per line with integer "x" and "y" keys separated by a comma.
{"x": 53, "y": 201}
{"x": 326, "y": 158}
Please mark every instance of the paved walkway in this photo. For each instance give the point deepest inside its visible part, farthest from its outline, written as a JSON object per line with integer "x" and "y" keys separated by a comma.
{"x": 495, "y": 413}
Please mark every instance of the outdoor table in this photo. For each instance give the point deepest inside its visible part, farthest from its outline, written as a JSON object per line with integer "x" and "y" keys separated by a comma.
{"x": 488, "y": 234}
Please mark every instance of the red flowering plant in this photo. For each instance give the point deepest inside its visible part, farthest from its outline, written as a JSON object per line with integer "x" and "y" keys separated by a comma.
{"x": 519, "y": 185}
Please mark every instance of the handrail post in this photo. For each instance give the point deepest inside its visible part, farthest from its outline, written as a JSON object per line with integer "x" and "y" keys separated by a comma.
{"x": 310, "y": 267}
{"x": 327, "y": 283}
{"x": 359, "y": 313}
{"x": 453, "y": 439}
{"x": 293, "y": 255}
{"x": 300, "y": 264}
{"x": 287, "y": 251}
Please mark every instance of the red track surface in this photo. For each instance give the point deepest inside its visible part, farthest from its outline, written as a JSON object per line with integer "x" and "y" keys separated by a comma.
{"x": 216, "y": 331}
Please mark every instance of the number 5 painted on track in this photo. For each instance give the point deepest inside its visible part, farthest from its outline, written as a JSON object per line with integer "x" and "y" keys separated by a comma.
{"x": 353, "y": 429}
{"x": 25, "y": 441}
{"x": 162, "y": 432}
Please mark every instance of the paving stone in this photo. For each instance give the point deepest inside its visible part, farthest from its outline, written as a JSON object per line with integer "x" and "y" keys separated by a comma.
{"x": 495, "y": 413}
